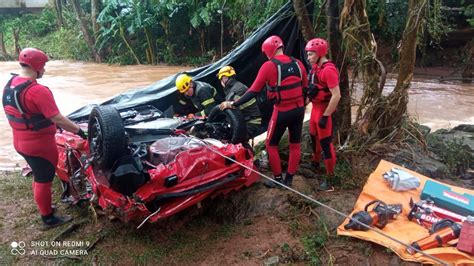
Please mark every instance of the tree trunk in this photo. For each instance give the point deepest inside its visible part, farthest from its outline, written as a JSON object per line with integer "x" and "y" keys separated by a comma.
{"x": 202, "y": 40}
{"x": 165, "y": 24}
{"x": 343, "y": 114}
{"x": 469, "y": 64}
{"x": 222, "y": 28}
{"x": 16, "y": 40}
{"x": 58, "y": 7}
{"x": 303, "y": 18}
{"x": 124, "y": 38}
{"x": 90, "y": 40}
{"x": 358, "y": 38}
{"x": 151, "y": 54}
{"x": 397, "y": 100}
{"x": 3, "y": 50}
{"x": 95, "y": 10}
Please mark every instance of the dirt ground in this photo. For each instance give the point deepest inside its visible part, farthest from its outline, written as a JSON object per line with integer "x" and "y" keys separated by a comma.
{"x": 253, "y": 226}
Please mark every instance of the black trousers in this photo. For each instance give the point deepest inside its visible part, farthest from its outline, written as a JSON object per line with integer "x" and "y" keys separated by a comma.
{"x": 43, "y": 170}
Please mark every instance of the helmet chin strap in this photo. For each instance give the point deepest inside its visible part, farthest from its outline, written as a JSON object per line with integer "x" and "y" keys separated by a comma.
{"x": 319, "y": 60}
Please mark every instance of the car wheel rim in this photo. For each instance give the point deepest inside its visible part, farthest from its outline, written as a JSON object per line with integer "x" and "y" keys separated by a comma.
{"x": 96, "y": 140}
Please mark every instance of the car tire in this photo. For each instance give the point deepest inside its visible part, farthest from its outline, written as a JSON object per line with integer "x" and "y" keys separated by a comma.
{"x": 236, "y": 120}
{"x": 106, "y": 136}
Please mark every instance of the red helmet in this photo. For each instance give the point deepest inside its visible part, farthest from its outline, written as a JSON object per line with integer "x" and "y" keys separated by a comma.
{"x": 271, "y": 44}
{"x": 34, "y": 58}
{"x": 317, "y": 45}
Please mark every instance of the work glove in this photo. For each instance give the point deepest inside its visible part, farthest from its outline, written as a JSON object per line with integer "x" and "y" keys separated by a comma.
{"x": 323, "y": 121}
{"x": 81, "y": 134}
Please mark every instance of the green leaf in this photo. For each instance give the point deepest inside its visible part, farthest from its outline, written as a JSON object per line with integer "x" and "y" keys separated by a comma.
{"x": 195, "y": 21}
{"x": 204, "y": 14}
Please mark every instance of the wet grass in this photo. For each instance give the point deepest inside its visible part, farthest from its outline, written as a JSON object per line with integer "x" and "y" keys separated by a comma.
{"x": 13, "y": 184}
{"x": 185, "y": 242}
{"x": 124, "y": 244}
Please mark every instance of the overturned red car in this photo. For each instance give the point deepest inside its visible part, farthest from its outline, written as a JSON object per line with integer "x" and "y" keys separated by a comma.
{"x": 141, "y": 164}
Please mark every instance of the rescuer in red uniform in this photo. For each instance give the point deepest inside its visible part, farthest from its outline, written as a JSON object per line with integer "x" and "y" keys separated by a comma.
{"x": 286, "y": 78}
{"x": 324, "y": 94}
{"x": 33, "y": 115}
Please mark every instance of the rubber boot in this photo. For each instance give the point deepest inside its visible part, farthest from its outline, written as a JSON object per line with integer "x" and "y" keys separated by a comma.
{"x": 325, "y": 185}
{"x": 271, "y": 184}
{"x": 51, "y": 221}
{"x": 312, "y": 166}
{"x": 288, "y": 179}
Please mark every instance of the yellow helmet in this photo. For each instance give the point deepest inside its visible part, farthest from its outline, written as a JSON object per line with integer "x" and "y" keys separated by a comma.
{"x": 183, "y": 83}
{"x": 227, "y": 71}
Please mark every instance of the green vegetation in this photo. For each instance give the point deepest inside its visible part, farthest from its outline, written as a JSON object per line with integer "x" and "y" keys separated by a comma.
{"x": 35, "y": 30}
{"x": 469, "y": 13}
{"x": 343, "y": 176}
{"x": 137, "y": 32}
{"x": 187, "y": 32}
{"x": 315, "y": 241}
{"x": 457, "y": 157}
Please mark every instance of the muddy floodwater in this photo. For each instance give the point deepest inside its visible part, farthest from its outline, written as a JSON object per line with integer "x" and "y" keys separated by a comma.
{"x": 75, "y": 84}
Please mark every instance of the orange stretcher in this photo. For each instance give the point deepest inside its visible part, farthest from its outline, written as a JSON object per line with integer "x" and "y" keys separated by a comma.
{"x": 401, "y": 228}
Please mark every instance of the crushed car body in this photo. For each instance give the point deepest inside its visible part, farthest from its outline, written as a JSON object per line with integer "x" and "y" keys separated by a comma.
{"x": 138, "y": 164}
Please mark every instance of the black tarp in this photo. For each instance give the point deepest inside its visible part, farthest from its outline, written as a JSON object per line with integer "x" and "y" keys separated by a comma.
{"x": 246, "y": 59}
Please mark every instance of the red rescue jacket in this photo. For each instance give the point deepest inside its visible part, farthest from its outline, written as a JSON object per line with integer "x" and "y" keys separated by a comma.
{"x": 319, "y": 92}
{"x": 289, "y": 87}
{"x": 13, "y": 105}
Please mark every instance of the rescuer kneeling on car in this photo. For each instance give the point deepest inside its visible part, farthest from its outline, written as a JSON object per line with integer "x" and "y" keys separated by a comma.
{"x": 233, "y": 90}
{"x": 286, "y": 78}
{"x": 203, "y": 96}
{"x": 33, "y": 115}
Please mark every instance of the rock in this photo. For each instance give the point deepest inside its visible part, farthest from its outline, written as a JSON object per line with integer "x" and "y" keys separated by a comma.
{"x": 450, "y": 153}
{"x": 272, "y": 261}
{"x": 306, "y": 146}
{"x": 455, "y": 147}
{"x": 420, "y": 162}
{"x": 468, "y": 175}
{"x": 464, "y": 134}
{"x": 465, "y": 128}
{"x": 424, "y": 130}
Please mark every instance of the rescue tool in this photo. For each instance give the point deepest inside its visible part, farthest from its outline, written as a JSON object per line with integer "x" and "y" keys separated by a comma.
{"x": 427, "y": 213}
{"x": 378, "y": 216}
{"x": 441, "y": 233}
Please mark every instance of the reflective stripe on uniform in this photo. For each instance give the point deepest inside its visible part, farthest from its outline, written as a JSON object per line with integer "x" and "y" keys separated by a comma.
{"x": 257, "y": 121}
{"x": 182, "y": 102}
{"x": 207, "y": 102}
{"x": 202, "y": 113}
{"x": 247, "y": 104}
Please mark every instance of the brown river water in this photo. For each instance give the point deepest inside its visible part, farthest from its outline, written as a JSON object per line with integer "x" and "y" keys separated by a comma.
{"x": 75, "y": 84}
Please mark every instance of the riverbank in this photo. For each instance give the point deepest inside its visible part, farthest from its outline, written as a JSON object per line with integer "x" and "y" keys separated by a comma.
{"x": 252, "y": 226}
{"x": 75, "y": 84}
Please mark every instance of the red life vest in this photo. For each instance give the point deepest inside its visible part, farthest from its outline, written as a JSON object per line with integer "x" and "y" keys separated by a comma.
{"x": 18, "y": 117}
{"x": 318, "y": 92}
{"x": 287, "y": 90}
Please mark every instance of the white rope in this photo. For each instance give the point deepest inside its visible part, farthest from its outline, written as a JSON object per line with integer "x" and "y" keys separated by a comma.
{"x": 207, "y": 145}
{"x": 148, "y": 217}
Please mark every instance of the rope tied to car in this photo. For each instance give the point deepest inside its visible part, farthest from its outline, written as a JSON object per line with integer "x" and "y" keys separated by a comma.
{"x": 307, "y": 197}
